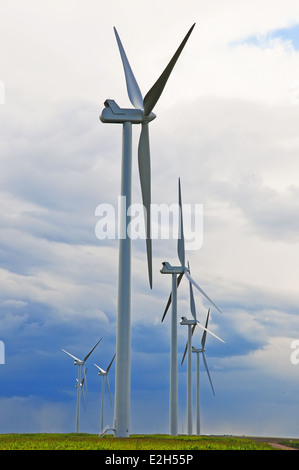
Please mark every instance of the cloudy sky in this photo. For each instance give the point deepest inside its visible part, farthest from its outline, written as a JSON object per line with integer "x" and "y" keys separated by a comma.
{"x": 227, "y": 125}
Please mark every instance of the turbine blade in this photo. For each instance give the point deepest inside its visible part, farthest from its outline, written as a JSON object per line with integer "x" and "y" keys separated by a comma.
{"x": 181, "y": 240}
{"x": 203, "y": 339}
{"x": 186, "y": 348}
{"x": 83, "y": 397}
{"x": 192, "y": 303}
{"x": 87, "y": 356}
{"x": 144, "y": 163}
{"x": 185, "y": 352}
{"x": 134, "y": 92}
{"x": 103, "y": 372}
{"x": 207, "y": 369}
{"x": 208, "y": 331}
{"x": 154, "y": 93}
{"x": 200, "y": 290}
{"x": 84, "y": 381}
{"x": 179, "y": 278}
{"x": 108, "y": 368}
{"x": 107, "y": 380}
{"x": 74, "y": 357}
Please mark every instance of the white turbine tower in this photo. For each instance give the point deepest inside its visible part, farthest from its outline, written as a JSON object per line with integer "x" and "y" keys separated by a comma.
{"x": 80, "y": 363}
{"x": 198, "y": 352}
{"x": 104, "y": 374}
{"x": 174, "y": 271}
{"x": 191, "y": 328}
{"x": 142, "y": 114}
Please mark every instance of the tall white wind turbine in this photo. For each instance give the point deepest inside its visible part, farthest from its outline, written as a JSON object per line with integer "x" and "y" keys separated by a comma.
{"x": 80, "y": 363}
{"x": 198, "y": 352}
{"x": 177, "y": 273}
{"x": 191, "y": 328}
{"x": 141, "y": 114}
{"x": 104, "y": 374}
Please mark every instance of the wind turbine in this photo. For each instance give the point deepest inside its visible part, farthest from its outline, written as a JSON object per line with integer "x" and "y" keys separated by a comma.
{"x": 141, "y": 114}
{"x": 80, "y": 363}
{"x": 104, "y": 373}
{"x": 81, "y": 386}
{"x": 201, "y": 351}
{"x": 191, "y": 328}
{"x": 177, "y": 273}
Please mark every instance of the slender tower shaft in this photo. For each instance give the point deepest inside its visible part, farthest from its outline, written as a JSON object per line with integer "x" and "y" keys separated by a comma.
{"x": 189, "y": 384}
{"x": 78, "y": 399}
{"x": 102, "y": 404}
{"x": 173, "y": 415}
{"x": 123, "y": 339}
{"x": 197, "y": 394}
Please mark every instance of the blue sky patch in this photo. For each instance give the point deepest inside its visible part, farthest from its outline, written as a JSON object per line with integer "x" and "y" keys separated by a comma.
{"x": 285, "y": 34}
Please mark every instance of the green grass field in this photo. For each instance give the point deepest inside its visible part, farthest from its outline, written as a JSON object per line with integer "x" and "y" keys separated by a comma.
{"x": 135, "y": 442}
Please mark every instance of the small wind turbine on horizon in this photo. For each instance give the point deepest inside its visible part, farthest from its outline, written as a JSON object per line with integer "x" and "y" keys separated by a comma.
{"x": 141, "y": 114}
{"x": 198, "y": 352}
{"x": 192, "y": 324}
{"x": 104, "y": 374}
{"x": 80, "y": 363}
{"x": 81, "y": 386}
{"x": 177, "y": 273}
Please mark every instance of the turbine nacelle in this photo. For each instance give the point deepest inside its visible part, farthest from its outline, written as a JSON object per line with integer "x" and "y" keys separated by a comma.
{"x": 77, "y": 362}
{"x": 112, "y": 113}
{"x": 196, "y": 350}
{"x": 168, "y": 269}
{"x": 185, "y": 321}
{"x": 101, "y": 371}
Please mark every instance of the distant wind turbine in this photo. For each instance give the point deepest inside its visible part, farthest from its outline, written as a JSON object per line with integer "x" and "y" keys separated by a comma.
{"x": 80, "y": 363}
{"x": 104, "y": 374}
{"x": 198, "y": 352}
{"x": 81, "y": 386}
{"x": 191, "y": 328}
{"x": 175, "y": 271}
{"x": 142, "y": 114}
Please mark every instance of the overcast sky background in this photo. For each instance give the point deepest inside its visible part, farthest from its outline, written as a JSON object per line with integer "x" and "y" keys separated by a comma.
{"x": 227, "y": 125}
